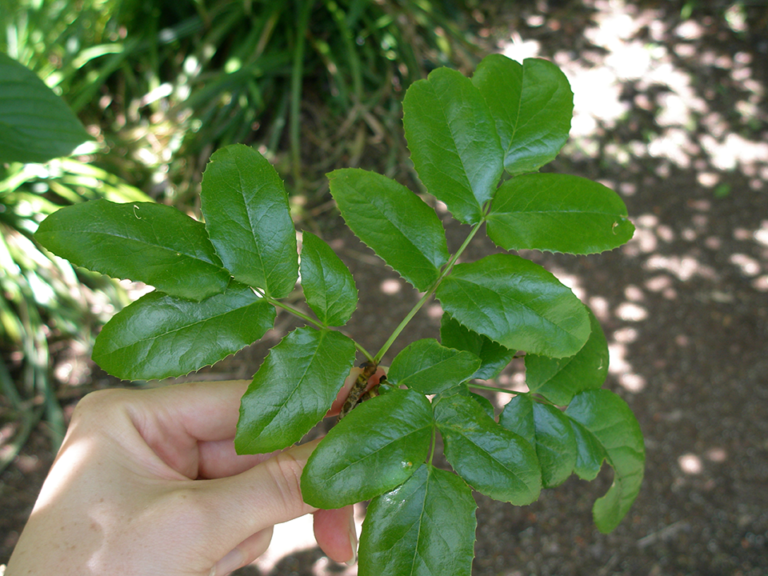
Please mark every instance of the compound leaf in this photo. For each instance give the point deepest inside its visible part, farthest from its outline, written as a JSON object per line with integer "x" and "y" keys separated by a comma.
{"x": 517, "y": 304}
{"x": 559, "y": 379}
{"x": 293, "y": 389}
{"x": 550, "y": 433}
{"x": 429, "y": 368}
{"x": 143, "y": 241}
{"x": 453, "y": 142}
{"x": 558, "y": 213}
{"x": 35, "y": 124}
{"x": 160, "y": 336}
{"x": 375, "y": 448}
{"x": 328, "y": 284}
{"x": 424, "y": 527}
{"x": 493, "y": 356}
{"x": 608, "y": 418}
{"x": 493, "y": 460}
{"x": 393, "y": 222}
{"x": 532, "y": 106}
{"x": 248, "y": 219}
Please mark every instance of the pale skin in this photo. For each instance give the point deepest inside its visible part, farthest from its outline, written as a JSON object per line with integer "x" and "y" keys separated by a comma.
{"x": 147, "y": 482}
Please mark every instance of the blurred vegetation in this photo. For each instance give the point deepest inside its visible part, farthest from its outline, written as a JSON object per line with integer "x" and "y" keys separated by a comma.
{"x": 160, "y": 85}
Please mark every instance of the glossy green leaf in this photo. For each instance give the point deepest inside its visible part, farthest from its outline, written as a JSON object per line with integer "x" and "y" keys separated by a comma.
{"x": 429, "y": 368}
{"x": 590, "y": 453}
{"x": 532, "y": 106}
{"x": 516, "y": 303}
{"x": 493, "y": 460}
{"x": 248, "y": 219}
{"x": 35, "y": 124}
{"x": 328, "y": 284}
{"x": 549, "y": 431}
{"x": 293, "y": 389}
{"x": 160, "y": 336}
{"x": 425, "y": 527}
{"x": 143, "y": 241}
{"x": 484, "y": 403}
{"x": 453, "y": 142}
{"x": 493, "y": 356}
{"x": 393, "y": 222}
{"x": 610, "y": 420}
{"x": 558, "y": 213}
{"x": 375, "y": 448}
{"x": 559, "y": 379}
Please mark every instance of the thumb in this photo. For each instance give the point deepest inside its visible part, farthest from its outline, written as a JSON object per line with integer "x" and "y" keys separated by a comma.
{"x": 259, "y": 498}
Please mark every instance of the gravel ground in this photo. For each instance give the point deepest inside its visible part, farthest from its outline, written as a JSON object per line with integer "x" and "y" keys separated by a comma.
{"x": 671, "y": 113}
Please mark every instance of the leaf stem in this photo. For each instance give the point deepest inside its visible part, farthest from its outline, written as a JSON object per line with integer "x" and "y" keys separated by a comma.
{"x": 495, "y": 389}
{"x": 427, "y": 295}
{"x": 309, "y": 320}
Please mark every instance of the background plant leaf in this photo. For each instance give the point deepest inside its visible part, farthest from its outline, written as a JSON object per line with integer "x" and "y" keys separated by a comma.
{"x": 247, "y": 217}
{"x": 424, "y": 527}
{"x": 293, "y": 389}
{"x": 328, "y": 284}
{"x": 160, "y": 336}
{"x": 492, "y": 459}
{"x": 558, "y": 213}
{"x": 559, "y": 379}
{"x": 493, "y": 356}
{"x": 393, "y": 222}
{"x": 35, "y": 124}
{"x": 516, "y": 303}
{"x": 610, "y": 420}
{"x": 549, "y": 431}
{"x": 375, "y": 448}
{"x": 143, "y": 241}
{"x": 532, "y": 106}
{"x": 429, "y": 368}
{"x": 453, "y": 142}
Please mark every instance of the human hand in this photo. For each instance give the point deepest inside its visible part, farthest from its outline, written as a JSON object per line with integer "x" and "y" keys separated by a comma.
{"x": 148, "y": 482}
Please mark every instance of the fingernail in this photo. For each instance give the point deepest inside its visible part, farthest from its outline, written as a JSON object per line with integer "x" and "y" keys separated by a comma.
{"x": 352, "y": 539}
{"x": 231, "y": 562}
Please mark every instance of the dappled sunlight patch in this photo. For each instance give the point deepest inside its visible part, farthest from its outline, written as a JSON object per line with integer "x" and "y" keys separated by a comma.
{"x": 690, "y": 464}
{"x": 390, "y": 286}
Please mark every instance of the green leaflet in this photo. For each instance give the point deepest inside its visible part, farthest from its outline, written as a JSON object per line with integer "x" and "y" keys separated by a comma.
{"x": 559, "y": 379}
{"x": 248, "y": 219}
{"x": 429, "y": 368}
{"x": 532, "y": 106}
{"x": 293, "y": 389}
{"x": 160, "y": 336}
{"x": 589, "y": 452}
{"x": 494, "y": 357}
{"x": 453, "y": 142}
{"x": 152, "y": 243}
{"x": 393, "y": 222}
{"x": 35, "y": 124}
{"x": 558, "y": 213}
{"x": 424, "y": 527}
{"x": 493, "y": 460}
{"x": 608, "y": 418}
{"x": 516, "y": 303}
{"x": 550, "y": 433}
{"x": 328, "y": 284}
{"x": 375, "y": 448}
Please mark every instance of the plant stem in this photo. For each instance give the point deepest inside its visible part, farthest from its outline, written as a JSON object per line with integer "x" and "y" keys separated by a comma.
{"x": 309, "y": 320}
{"x": 495, "y": 389}
{"x": 427, "y": 295}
